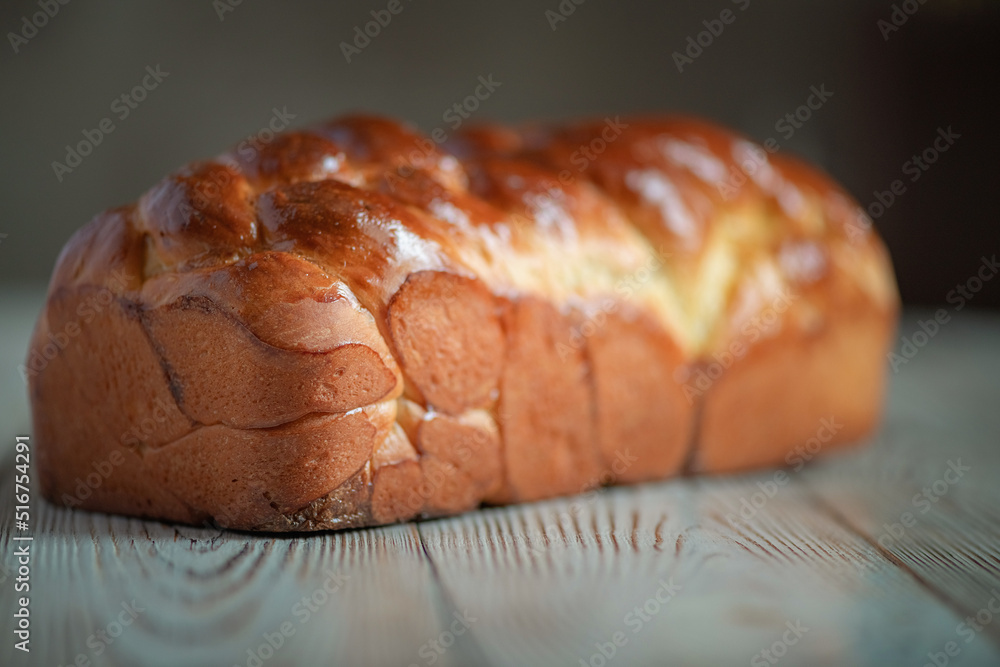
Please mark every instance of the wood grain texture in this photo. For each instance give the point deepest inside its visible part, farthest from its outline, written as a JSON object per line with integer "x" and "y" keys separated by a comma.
{"x": 927, "y": 495}
{"x": 550, "y": 583}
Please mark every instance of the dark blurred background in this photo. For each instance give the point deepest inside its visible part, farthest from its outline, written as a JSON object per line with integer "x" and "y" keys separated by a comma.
{"x": 898, "y": 72}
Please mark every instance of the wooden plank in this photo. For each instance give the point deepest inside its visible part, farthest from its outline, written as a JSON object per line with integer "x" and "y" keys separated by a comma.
{"x": 926, "y": 494}
{"x": 556, "y": 582}
{"x": 208, "y": 596}
{"x": 552, "y": 582}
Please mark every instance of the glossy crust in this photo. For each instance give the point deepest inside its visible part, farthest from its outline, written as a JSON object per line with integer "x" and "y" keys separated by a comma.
{"x": 352, "y": 325}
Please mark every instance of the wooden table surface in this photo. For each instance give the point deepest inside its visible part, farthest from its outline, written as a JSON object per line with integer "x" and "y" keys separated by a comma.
{"x": 884, "y": 555}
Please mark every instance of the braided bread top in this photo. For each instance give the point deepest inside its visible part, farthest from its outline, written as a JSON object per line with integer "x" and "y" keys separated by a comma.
{"x": 697, "y": 223}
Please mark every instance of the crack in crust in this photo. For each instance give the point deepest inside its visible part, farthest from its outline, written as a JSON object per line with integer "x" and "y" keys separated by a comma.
{"x": 372, "y": 327}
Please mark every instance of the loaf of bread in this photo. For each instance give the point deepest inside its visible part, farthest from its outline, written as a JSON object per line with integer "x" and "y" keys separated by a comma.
{"x": 356, "y": 324}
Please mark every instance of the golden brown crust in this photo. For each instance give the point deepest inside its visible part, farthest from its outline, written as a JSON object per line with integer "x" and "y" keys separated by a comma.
{"x": 354, "y": 325}
{"x": 447, "y": 335}
{"x": 644, "y": 422}
{"x": 546, "y": 406}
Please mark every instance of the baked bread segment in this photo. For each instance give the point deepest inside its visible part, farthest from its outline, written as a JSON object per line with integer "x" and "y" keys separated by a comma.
{"x": 354, "y": 325}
